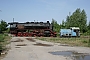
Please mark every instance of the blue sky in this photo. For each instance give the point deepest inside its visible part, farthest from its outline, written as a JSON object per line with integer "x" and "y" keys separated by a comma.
{"x": 40, "y": 10}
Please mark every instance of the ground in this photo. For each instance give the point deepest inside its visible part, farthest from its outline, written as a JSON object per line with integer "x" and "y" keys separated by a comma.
{"x": 29, "y": 48}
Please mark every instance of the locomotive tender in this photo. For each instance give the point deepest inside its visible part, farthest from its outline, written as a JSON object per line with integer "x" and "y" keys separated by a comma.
{"x": 32, "y": 29}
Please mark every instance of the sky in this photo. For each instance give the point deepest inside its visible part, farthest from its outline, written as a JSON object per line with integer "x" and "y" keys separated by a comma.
{"x": 40, "y": 10}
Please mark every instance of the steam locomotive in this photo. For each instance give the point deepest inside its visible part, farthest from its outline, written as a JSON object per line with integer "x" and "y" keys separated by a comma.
{"x": 32, "y": 29}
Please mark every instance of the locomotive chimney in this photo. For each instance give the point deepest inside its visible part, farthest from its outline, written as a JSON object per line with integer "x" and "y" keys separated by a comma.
{"x": 13, "y": 19}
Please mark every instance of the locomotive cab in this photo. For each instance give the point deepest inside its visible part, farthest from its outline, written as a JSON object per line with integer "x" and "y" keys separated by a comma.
{"x": 75, "y": 31}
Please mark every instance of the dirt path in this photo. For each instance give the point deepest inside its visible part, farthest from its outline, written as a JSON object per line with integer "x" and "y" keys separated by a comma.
{"x": 29, "y": 49}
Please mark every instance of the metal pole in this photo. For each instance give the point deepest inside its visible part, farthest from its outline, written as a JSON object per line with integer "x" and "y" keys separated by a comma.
{"x": 13, "y": 19}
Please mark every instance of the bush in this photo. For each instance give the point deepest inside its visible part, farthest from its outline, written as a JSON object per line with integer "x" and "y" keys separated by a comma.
{"x": 2, "y": 38}
{"x": 2, "y": 42}
{"x": 5, "y": 34}
{"x": 89, "y": 43}
{"x": 87, "y": 33}
{"x": 84, "y": 41}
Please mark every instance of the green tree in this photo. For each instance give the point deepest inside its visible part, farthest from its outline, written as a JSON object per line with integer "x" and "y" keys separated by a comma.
{"x": 67, "y": 23}
{"x": 3, "y": 25}
{"x": 56, "y": 26}
{"x": 83, "y": 21}
{"x": 63, "y": 24}
{"x": 88, "y": 30}
{"x": 77, "y": 19}
{"x": 89, "y": 26}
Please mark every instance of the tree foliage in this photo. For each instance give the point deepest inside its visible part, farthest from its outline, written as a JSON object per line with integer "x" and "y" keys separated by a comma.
{"x": 62, "y": 25}
{"x": 3, "y": 25}
{"x": 77, "y": 19}
{"x": 89, "y": 25}
{"x": 56, "y": 26}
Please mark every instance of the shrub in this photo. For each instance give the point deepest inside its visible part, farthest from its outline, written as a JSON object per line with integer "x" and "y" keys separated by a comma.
{"x": 84, "y": 41}
{"x": 1, "y": 42}
{"x": 89, "y": 43}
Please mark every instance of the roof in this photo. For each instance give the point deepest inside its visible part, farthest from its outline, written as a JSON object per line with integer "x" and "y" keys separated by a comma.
{"x": 74, "y": 28}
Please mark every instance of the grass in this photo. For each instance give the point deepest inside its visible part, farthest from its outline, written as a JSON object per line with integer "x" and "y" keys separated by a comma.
{"x": 73, "y": 41}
